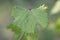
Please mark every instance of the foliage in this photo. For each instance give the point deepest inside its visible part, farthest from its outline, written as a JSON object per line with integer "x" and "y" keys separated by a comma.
{"x": 26, "y": 21}
{"x": 57, "y": 25}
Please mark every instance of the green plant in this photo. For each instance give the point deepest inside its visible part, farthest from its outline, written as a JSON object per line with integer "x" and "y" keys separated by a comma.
{"x": 28, "y": 23}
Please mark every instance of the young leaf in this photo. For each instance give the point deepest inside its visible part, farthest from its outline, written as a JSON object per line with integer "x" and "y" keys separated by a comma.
{"x": 27, "y": 20}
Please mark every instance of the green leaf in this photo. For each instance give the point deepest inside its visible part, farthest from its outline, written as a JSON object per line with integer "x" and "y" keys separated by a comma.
{"x": 27, "y": 20}
{"x": 15, "y": 29}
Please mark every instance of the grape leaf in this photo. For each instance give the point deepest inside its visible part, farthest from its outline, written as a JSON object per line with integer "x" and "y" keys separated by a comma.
{"x": 27, "y": 20}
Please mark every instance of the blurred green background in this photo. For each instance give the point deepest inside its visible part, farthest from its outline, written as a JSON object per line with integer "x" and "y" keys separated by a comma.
{"x": 53, "y": 11}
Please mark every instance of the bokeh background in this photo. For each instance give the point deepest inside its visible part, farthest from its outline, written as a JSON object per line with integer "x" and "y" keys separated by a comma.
{"x": 6, "y": 7}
